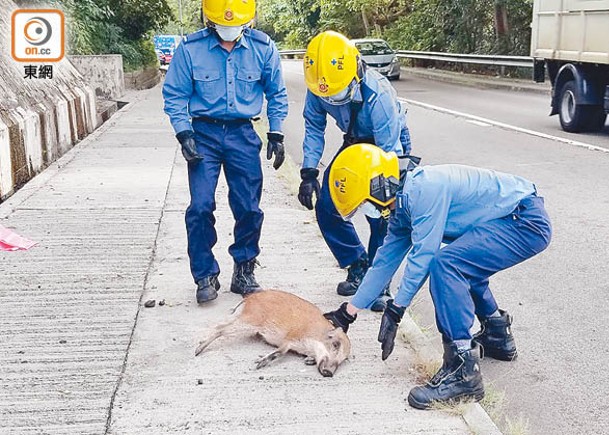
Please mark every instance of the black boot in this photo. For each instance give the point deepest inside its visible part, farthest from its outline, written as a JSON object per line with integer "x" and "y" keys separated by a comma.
{"x": 355, "y": 274}
{"x": 458, "y": 378}
{"x": 496, "y": 339}
{"x": 244, "y": 281}
{"x": 207, "y": 289}
{"x": 381, "y": 302}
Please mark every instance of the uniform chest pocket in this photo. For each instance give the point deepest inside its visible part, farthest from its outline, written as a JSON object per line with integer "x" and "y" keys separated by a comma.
{"x": 247, "y": 81}
{"x": 209, "y": 86}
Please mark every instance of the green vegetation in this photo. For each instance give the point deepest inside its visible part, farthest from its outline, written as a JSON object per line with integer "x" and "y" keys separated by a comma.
{"x": 113, "y": 27}
{"x": 460, "y": 26}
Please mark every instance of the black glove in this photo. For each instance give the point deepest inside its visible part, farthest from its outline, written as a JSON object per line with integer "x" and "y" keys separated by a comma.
{"x": 275, "y": 146}
{"x": 341, "y": 318}
{"x": 389, "y": 327}
{"x": 189, "y": 146}
{"x": 308, "y": 185}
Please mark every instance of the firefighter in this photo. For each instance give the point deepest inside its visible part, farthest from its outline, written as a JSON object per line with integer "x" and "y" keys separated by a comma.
{"x": 365, "y": 107}
{"x": 215, "y": 85}
{"x": 489, "y": 221}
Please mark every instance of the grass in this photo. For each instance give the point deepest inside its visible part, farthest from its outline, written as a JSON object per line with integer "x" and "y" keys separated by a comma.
{"x": 520, "y": 426}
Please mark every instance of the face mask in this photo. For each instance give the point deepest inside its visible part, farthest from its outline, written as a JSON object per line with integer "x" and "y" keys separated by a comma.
{"x": 366, "y": 208}
{"x": 343, "y": 97}
{"x": 229, "y": 33}
{"x": 370, "y": 210}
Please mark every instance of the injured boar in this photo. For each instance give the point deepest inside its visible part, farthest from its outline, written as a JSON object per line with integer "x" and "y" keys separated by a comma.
{"x": 289, "y": 323}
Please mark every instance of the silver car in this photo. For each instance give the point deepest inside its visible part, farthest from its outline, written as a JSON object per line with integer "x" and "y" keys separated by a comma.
{"x": 380, "y": 56}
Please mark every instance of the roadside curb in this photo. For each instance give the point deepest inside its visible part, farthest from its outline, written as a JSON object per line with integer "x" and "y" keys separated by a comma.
{"x": 474, "y": 80}
{"x": 474, "y": 416}
{"x": 13, "y": 202}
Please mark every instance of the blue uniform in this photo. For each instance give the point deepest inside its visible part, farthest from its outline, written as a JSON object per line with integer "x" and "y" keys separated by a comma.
{"x": 489, "y": 220}
{"x": 215, "y": 93}
{"x": 380, "y": 120}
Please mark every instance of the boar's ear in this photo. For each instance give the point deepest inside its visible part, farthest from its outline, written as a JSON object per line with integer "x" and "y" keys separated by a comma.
{"x": 334, "y": 332}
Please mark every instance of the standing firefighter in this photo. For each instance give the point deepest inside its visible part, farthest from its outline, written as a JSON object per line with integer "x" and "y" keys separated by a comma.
{"x": 366, "y": 109}
{"x": 489, "y": 220}
{"x": 214, "y": 86}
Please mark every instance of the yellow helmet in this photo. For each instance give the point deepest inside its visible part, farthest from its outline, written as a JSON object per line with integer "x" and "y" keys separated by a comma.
{"x": 364, "y": 174}
{"x": 331, "y": 64}
{"x": 229, "y": 12}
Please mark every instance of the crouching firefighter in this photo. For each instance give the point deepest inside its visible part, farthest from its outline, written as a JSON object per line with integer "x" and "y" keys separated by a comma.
{"x": 488, "y": 220}
{"x": 366, "y": 109}
{"x": 215, "y": 85}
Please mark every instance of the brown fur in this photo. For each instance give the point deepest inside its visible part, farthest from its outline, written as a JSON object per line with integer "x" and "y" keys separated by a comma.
{"x": 289, "y": 323}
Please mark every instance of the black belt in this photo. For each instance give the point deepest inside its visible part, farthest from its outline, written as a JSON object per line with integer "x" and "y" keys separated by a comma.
{"x": 216, "y": 121}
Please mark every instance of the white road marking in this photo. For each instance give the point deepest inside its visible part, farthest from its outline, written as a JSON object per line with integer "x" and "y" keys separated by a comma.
{"x": 478, "y": 123}
{"x": 480, "y": 119}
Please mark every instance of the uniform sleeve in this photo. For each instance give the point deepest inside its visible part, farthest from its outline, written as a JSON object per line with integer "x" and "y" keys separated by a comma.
{"x": 429, "y": 210}
{"x": 405, "y": 131}
{"x": 275, "y": 90}
{"x": 315, "y": 127}
{"x": 386, "y": 125}
{"x": 386, "y": 262}
{"x": 178, "y": 90}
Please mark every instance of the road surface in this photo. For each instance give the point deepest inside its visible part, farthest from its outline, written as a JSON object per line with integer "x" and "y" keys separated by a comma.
{"x": 559, "y": 299}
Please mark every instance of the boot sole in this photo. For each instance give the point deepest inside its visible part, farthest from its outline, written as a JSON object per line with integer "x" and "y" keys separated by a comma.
{"x": 501, "y": 356}
{"x": 477, "y": 396}
{"x": 498, "y": 354}
{"x": 347, "y": 293}
{"x": 237, "y": 290}
{"x": 201, "y": 301}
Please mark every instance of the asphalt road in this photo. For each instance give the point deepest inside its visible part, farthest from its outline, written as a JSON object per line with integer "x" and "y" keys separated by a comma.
{"x": 559, "y": 299}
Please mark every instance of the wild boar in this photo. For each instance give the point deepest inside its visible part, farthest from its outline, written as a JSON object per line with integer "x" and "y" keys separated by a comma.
{"x": 289, "y": 323}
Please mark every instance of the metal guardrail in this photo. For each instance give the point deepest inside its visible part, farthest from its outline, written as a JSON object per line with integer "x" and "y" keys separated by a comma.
{"x": 480, "y": 59}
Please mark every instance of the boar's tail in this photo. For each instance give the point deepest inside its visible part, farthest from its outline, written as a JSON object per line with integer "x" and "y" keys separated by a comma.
{"x": 237, "y": 307}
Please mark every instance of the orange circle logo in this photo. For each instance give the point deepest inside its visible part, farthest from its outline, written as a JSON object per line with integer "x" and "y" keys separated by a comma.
{"x": 229, "y": 15}
{"x": 38, "y": 31}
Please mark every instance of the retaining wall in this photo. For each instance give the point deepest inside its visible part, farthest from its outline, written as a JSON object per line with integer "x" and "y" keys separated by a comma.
{"x": 104, "y": 73}
{"x": 40, "y": 119}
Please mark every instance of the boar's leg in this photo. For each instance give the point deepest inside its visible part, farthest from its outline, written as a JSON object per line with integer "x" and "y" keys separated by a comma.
{"x": 231, "y": 327}
{"x": 310, "y": 361}
{"x": 265, "y": 361}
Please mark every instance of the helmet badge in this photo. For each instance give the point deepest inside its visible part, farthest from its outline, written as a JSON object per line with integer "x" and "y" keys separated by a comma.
{"x": 229, "y": 15}
{"x": 323, "y": 86}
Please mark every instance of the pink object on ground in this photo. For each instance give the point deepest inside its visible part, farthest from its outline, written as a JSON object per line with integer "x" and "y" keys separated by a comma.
{"x": 11, "y": 241}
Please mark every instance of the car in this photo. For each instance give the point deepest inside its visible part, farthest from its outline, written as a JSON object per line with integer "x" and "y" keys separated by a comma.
{"x": 378, "y": 55}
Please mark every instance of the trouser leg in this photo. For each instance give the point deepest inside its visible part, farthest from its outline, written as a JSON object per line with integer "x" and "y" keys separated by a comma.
{"x": 200, "y": 220}
{"x": 243, "y": 171}
{"x": 339, "y": 234}
{"x": 478, "y": 254}
{"x": 484, "y": 301}
{"x": 378, "y": 231}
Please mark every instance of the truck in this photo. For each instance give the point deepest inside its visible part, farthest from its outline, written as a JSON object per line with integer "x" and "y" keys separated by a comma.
{"x": 570, "y": 42}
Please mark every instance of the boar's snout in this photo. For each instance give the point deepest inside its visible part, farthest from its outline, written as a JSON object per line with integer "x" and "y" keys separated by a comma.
{"x": 326, "y": 369}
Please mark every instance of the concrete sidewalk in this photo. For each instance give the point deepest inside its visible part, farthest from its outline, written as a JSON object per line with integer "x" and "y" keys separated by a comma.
{"x": 80, "y": 354}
